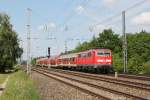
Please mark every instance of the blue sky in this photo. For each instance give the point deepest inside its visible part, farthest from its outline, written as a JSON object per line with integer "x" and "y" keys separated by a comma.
{"x": 73, "y": 21}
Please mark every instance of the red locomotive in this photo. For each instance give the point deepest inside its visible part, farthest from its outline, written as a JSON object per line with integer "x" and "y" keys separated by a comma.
{"x": 95, "y": 59}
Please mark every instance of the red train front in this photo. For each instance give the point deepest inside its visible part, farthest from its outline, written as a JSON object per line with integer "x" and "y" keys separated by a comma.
{"x": 95, "y": 59}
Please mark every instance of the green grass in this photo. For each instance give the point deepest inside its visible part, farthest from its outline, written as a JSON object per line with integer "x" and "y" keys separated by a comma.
{"x": 3, "y": 77}
{"x": 19, "y": 87}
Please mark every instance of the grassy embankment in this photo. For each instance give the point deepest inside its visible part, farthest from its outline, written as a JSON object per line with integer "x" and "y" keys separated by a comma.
{"x": 19, "y": 87}
{"x": 3, "y": 77}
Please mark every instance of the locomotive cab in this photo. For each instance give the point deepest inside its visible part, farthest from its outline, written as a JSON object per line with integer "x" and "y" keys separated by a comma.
{"x": 103, "y": 60}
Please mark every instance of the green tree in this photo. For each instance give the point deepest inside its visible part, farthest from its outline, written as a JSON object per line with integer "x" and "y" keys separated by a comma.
{"x": 108, "y": 39}
{"x": 135, "y": 65}
{"x": 82, "y": 47}
{"x": 33, "y": 61}
{"x": 9, "y": 46}
{"x": 93, "y": 43}
{"x": 138, "y": 51}
{"x": 146, "y": 67}
{"x": 117, "y": 62}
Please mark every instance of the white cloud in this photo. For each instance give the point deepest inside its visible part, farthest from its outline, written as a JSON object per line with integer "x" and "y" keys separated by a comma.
{"x": 79, "y": 9}
{"x": 47, "y": 27}
{"x": 143, "y": 18}
{"x": 111, "y": 2}
{"x": 51, "y": 25}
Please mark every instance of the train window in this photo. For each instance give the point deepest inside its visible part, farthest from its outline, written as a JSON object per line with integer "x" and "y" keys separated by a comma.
{"x": 100, "y": 53}
{"x": 73, "y": 59}
{"x": 79, "y": 55}
{"x": 89, "y": 54}
{"x": 107, "y": 53}
{"x": 83, "y": 55}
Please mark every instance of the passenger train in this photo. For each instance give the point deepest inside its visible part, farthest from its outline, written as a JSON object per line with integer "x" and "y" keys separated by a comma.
{"x": 98, "y": 60}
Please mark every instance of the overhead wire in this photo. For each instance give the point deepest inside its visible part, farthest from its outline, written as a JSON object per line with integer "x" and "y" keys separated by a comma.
{"x": 136, "y": 5}
{"x": 118, "y": 14}
{"x": 83, "y": 3}
{"x": 101, "y": 22}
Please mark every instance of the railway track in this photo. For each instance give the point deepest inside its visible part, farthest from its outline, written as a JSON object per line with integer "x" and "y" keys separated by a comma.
{"x": 122, "y": 82}
{"x": 70, "y": 84}
{"x": 135, "y": 77}
{"x": 118, "y": 94}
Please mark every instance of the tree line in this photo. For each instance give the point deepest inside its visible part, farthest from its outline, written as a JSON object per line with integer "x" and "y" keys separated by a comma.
{"x": 9, "y": 44}
{"x": 138, "y": 45}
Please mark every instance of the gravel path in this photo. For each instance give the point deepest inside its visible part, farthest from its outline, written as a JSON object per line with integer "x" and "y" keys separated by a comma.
{"x": 3, "y": 86}
{"x": 50, "y": 89}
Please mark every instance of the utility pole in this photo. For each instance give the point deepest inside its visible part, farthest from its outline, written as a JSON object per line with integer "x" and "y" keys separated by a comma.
{"x": 66, "y": 46}
{"x": 21, "y": 47}
{"x": 28, "y": 40}
{"x": 124, "y": 42}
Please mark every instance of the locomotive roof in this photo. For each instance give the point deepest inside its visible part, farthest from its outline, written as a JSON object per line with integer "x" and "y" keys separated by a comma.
{"x": 93, "y": 50}
{"x": 70, "y": 55}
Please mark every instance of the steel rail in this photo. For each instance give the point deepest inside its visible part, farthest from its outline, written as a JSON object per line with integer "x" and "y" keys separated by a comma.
{"x": 145, "y": 78}
{"x": 110, "y": 80}
{"x": 82, "y": 89}
{"x": 99, "y": 87}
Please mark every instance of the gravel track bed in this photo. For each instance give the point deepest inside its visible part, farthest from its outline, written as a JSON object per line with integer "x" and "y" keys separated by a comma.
{"x": 142, "y": 77}
{"x": 50, "y": 89}
{"x": 135, "y": 80}
{"x": 124, "y": 79}
{"x": 129, "y": 79}
{"x": 112, "y": 77}
{"x": 113, "y": 86}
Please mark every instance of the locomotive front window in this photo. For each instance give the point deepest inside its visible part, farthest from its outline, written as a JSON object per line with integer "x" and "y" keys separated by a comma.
{"x": 107, "y": 53}
{"x": 100, "y": 53}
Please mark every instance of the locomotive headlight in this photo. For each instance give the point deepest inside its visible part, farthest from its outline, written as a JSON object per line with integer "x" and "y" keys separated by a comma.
{"x": 100, "y": 60}
{"x": 108, "y": 60}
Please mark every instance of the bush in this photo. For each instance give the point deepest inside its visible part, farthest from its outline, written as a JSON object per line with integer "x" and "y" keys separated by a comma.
{"x": 146, "y": 67}
{"x": 135, "y": 65}
{"x": 16, "y": 67}
{"x": 117, "y": 63}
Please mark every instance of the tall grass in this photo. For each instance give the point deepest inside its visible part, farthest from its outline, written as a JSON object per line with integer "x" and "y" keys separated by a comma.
{"x": 20, "y": 87}
{"x": 3, "y": 77}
